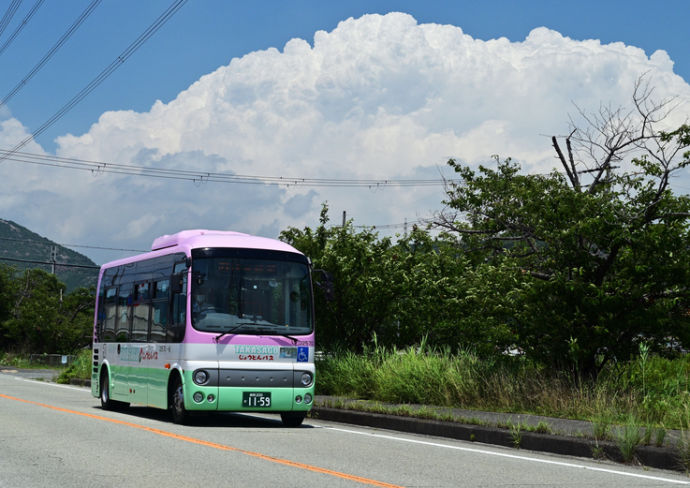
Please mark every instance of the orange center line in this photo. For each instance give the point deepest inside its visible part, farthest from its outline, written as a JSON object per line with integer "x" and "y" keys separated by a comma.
{"x": 213, "y": 445}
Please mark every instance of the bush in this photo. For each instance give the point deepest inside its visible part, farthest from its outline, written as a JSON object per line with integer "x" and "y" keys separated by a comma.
{"x": 80, "y": 369}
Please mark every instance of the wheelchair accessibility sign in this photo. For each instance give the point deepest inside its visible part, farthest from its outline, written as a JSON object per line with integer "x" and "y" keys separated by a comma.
{"x": 302, "y": 354}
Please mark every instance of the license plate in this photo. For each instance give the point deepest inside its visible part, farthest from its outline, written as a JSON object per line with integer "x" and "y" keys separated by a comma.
{"x": 251, "y": 399}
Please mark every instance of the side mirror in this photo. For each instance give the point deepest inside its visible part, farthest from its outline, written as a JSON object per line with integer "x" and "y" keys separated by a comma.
{"x": 176, "y": 283}
{"x": 326, "y": 284}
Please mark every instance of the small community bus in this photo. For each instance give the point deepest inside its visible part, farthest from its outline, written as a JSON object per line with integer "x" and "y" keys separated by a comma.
{"x": 208, "y": 321}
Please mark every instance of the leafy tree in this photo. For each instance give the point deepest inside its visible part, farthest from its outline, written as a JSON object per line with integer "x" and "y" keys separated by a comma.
{"x": 602, "y": 250}
{"x": 439, "y": 295}
{"x": 74, "y": 327}
{"x": 352, "y": 267}
{"x": 40, "y": 317}
{"x": 6, "y": 284}
{"x": 34, "y": 305}
{"x": 418, "y": 289}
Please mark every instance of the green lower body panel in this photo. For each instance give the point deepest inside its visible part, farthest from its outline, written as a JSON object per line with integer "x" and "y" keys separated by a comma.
{"x": 242, "y": 399}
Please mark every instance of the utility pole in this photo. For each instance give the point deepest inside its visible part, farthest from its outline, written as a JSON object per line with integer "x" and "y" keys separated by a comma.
{"x": 344, "y": 218}
{"x": 53, "y": 258}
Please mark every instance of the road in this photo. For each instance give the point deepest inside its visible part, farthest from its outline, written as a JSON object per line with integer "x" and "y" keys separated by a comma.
{"x": 55, "y": 435}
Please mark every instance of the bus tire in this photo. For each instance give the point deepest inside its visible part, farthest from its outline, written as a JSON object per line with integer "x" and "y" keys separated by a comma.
{"x": 292, "y": 419}
{"x": 106, "y": 402}
{"x": 177, "y": 408}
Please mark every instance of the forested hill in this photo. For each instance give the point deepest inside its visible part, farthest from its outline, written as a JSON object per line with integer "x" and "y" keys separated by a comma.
{"x": 22, "y": 249}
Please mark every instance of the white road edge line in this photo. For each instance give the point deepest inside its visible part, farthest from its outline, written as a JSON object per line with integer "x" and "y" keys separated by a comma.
{"x": 510, "y": 456}
{"x": 48, "y": 383}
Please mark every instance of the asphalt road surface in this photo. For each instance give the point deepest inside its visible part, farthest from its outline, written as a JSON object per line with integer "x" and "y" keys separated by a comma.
{"x": 58, "y": 436}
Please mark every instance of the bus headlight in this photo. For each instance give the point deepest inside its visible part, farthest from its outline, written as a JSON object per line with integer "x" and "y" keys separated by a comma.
{"x": 200, "y": 376}
{"x": 306, "y": 379}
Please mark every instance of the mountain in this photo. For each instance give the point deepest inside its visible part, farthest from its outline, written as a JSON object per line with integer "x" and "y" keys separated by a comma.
{"x": 24, "y": 249}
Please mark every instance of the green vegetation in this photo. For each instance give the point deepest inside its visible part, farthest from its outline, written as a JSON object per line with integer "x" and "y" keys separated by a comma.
{"x": 17, "y": 361}
{"x": 515, "y": 384}
{"x": 574, "y": 278}
{"x": 628, "y": 438}
{"x": 80, "y": 369}
{"x": 38, "y": 316}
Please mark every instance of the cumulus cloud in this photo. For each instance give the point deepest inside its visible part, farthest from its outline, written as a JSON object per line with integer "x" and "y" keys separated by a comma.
{"x": 379, "y": 97}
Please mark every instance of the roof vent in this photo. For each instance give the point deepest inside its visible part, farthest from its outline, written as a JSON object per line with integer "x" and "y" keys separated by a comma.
{"x": 170, "y": 240}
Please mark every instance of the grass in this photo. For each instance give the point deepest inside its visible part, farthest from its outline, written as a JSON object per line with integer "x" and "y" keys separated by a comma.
{"x": 15, "y": 361}
{"x": 628, "y": 438}
{"x": 653, "y": 391}
{"x": 21, "y": 361}
{"x": 79, "y": 369}
{"x": 516, "y": 433}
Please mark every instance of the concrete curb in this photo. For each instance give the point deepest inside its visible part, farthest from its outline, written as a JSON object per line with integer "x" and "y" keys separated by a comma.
{"x": 651, "y": 456}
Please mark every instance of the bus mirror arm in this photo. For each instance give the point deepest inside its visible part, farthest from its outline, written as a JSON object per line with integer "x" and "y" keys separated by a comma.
{"x": 326, "y": 284}
{"x": 176, "y": 283}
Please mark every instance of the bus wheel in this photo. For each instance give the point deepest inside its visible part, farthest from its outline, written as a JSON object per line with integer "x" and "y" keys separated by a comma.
{"x": 292, "y": 419}
{"x": 179, "y": 413}
{"x": 106, "y": 402}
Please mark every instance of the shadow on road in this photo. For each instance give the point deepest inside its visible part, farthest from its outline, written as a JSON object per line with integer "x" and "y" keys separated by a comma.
{"x": 235, "y": 420}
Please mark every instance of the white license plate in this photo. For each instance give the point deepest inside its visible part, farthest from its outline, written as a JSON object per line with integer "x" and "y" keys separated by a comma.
{"x": 252, "y": 399}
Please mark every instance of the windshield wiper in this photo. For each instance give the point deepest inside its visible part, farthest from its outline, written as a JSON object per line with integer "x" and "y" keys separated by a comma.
{"x": 272, "y": 331}
{"x": 293, "y": 339}
{"x": 238, "y": 326}
{"x": 261, "y": 328}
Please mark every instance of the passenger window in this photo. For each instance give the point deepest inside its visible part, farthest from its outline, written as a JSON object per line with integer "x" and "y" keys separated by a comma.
{"x": 160, "y": 307}
{"x": 142, "y": 312}
{"x": 110, "y": 315}
{"x": 124, "y": 311}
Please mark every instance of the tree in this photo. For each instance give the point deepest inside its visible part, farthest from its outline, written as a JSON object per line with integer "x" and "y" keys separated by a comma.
{"x": 40, "y": 317}
{"x": 603, "y": 248}
{"x": 6, "y": 280}
{"x": 350, "y": 265}
{"x": 419, "y": 288}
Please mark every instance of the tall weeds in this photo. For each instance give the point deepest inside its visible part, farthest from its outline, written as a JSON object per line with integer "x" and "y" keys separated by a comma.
{"x": 653, "y": 389}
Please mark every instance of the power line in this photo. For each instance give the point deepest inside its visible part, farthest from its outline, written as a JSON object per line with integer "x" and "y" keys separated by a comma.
{"x": 98, "y": 167}
{"x": 9, "y": 13}
{"x": 131, "y": 49}
{"x": 70, "y": 245}
{"x": 393, "y": 226}
{"x": 21, "y": 25}
{"x": 66, "y": 265}
{"x": 51, "y": 52}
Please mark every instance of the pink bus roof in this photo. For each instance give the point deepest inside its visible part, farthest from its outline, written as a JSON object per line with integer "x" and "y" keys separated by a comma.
{"x": 186, "y": 240}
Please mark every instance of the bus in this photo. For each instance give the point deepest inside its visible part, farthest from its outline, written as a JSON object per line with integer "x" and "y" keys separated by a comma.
{"x": 207, "y": 321}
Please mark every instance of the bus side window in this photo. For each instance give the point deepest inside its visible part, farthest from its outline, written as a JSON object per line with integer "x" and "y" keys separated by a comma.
{"x": 124, "y": 313}
{"x": 142, "y": 309}
{"x": 159, "y": 310}
{"x": 110, "y": 315}
{"x": 178, "y": 320}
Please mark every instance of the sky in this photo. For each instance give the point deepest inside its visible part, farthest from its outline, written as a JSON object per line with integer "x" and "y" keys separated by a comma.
{"x": 347, "y": 91}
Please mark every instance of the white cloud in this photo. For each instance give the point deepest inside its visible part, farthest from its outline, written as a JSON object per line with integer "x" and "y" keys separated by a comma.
{"x": 378, "y": 97}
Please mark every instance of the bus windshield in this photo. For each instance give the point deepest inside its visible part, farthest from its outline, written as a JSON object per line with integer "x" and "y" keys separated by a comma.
{"x": 258, "y": 293}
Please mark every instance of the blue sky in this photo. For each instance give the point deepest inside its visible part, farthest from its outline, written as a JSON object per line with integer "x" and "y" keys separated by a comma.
{"x": 206, "y": 35}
